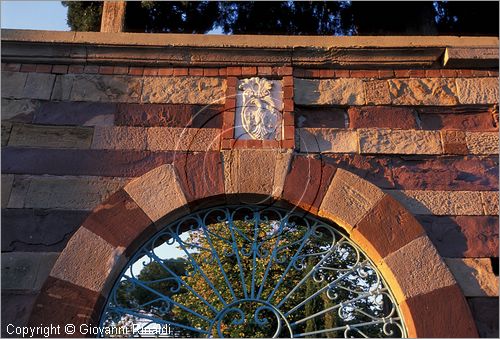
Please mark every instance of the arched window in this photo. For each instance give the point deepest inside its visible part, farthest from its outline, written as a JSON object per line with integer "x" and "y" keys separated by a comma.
{"x": 251, "y": 271}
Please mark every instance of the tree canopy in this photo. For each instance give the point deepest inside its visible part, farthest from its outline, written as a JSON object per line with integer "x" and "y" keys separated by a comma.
{"x": 297, "y": 18}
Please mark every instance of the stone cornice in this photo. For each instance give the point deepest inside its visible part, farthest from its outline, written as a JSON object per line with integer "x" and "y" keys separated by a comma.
{"x": 216, "y": 50}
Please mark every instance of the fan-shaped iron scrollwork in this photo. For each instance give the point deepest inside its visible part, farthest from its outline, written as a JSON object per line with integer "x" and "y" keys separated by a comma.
{"x": 249, "y": 271}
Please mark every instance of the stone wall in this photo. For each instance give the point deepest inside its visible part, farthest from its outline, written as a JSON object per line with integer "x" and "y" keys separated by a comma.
{"x": 75, "y": 132}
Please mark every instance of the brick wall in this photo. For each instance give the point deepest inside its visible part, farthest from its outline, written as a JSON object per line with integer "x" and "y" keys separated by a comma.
{"x": 75, "y": 133}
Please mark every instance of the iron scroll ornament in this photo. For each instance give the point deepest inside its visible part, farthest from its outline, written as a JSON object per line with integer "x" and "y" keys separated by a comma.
{"x": 249, "y": 271}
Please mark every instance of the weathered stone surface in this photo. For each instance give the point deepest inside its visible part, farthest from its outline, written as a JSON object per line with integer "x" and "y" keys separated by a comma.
{"x": 87, "y": 260}
{"x": 78, "y": 307}
{"x": 184, "y": 90}
{"x": 375, "y": 169}
{"x": 413, "y": 264}
{"x": 120, "y": 222}
{"x": 463, "y": 236}
{"x": 38, "y": 86}
{"x": 230, "y": 160}
{"x": 7, "y": 181}
{"x": 110, "y": 163}
{"x": 490, "y": 202}
{"x": 382, "y": 117}
{"x": 377, "y": 92}
{"x": 75, "y": 113}
{"x": 19, "y": 110}
{"x": 479, "y": 120}
{"x": 477, "y": 90}
{"x": 16, "y": 309}
{"x": 283, "y": 160}
{"x": 6, "y": 130}
{"x": 482, "y": 143}
{"x": 50, "y": 136}
{"x": 182, "y": 139}
{"x": 157, "y": 192}
{"x": 438, "y": 314}
{"x": 13, "y": 84}
{"x": 26, "y": 270}
{"x": 348, "y": 199}
{"x": 79, "y": 193}
{"x": 256, "y": 171}
{"x": 329, "y": 92}
{"x": 307, "y": 182}
{"x": 485, "y": 313}
{"x": 385, "y": 229}
{"x": 317, "y": 117}
{"x": 440, "y": 202}
{"x": 62, "y": 87}
{"x": 475, "y": 276}
{"x": 116, "y": 88}
{"x": 423, "y": 91}
{"x": 327, "y": 140}
{"x": 34, "y": 230}
{"x": 18, "y": 191}
{"x": 454, "y": 142}
{"x": 470, "y": 173}
{"x": 169, "y": 115}
{"x": 200, "y": 175}
{"x": 390, "y": 141}
{"x": 133, "y": 138}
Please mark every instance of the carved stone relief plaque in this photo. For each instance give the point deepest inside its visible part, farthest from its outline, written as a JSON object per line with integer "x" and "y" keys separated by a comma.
{"x": 258, "y": 109}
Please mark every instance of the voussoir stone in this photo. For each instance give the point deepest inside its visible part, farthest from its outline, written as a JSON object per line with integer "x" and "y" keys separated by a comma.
{"x": 327, "y": 140}
{"x": 482, "y": 142}
{"x": 133, "y": 138}
{"x": 349, "y": 198}
{"x": 475, "y": 276}
{"x": 183, "y": 90}
{"x": 116, "y": 88}
{"x": 412, "y": 265}
{"x": 390, "y": 141}
{"x": 256, "y": 171}
{"x": 87, "y": 260}
{"x": 477, "y": 90}
{"x": 329, "y": 92}
{"x": 283, "y": 160}
{"x": 157, "y": 192}
{"x": 50, "y": 136}
{"x": 423, "y": 91}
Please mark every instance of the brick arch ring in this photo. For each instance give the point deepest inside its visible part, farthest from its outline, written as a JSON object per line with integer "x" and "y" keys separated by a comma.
{"x": 429, "y": 298}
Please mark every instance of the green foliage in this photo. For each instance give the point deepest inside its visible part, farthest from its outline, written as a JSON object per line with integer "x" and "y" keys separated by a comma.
{"x": 84, "y": 15}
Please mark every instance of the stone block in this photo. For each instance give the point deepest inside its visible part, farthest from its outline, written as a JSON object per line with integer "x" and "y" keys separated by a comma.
{"x": 474, "y": 276}
{"x": 423, "y": 91}
{"x": 317, "y": 117}
{"x": 485, "y": 313}
{"x": 157, "y": 192}
{"x": 19, "y": 110}
{"x": 32, "y": 230}
{"x": 50, "y": 136}
{"x": 349, "y": 199}
{"x": 454, "y": 142}
{"x": 283, "y": 160}
{"x": 62, "y": 87}
{"x": 38, "y": 86}
{"x": 440, "y": 202}
{"x": 6, "y": 130}
{"x": 133, "y": 138}
{"x": 184, "y": 90}
{"x": 182, "y": 139}
{"x": 447, "y": 119}
{"x": 7, "y": 181}
{"x": 377, "y": 92}
{"x": 329, "y": 92}
{"x": 490, "y": 202}
{"x": 482, "y": 142}
{"x": 18, "y": 191}
{"x": 463, "y": 236}
{"x": 385, "y": 229}
{"x": 87, "y": 260}
{"x": 256, "y": 171}
{"x": 388, "y": 141}
{"x": 307, "y": 182}
{"x": 75, "y": 113}
{"x": 65, "y": 192}
{"x": 13, "y": 84}
{"x": 327, "y": 140}
{"x": 477, "y": 90}
{"x": 26, "y": 270}
{"x": 406, "y": 269}
{"x": 107, "y": 88}
{"x": 382, "y": 117}
{"x": 230, "y": 160}
{"x": 16, "y": 309}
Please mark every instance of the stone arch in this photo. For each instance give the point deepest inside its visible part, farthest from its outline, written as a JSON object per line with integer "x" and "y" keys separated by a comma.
{"x": 430, "y": 300}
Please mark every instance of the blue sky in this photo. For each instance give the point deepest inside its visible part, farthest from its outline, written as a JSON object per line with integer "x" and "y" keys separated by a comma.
{"x": 45, "y": 15}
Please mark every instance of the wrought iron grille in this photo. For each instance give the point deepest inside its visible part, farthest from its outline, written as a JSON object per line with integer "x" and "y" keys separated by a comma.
{"x": 249, "y": 271}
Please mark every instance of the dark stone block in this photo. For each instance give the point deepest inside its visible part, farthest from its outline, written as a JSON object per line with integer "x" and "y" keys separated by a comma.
{"x": 320, "y": 117}
{"x": 75, "y": 113}
{"x": 485, "y": 313}
{"x": 382, "y": 117}
{"x": 16, "y": 309}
